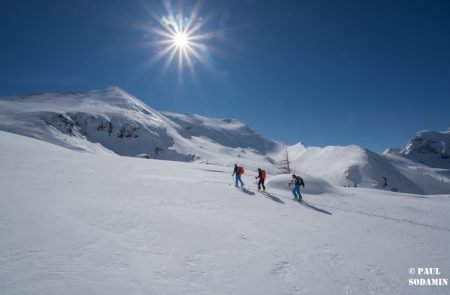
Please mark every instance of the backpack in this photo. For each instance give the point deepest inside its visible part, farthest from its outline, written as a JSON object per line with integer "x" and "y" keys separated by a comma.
{"x": 299, "y": 181}
{"x": 240, "y": 170}
{"x": 263, "y": 174}
{"x": 302, "y": 183}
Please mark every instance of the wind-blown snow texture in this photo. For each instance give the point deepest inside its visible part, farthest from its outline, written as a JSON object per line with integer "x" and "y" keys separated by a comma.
{"x": 81, "y": 223}
{"x": 113, "y": 121}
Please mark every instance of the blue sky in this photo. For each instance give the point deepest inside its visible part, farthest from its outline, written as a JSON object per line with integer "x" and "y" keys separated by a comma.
{"x": 371, "y": 73}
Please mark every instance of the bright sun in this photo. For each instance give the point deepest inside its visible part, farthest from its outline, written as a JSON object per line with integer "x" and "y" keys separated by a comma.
{"x": 181, "y": 40}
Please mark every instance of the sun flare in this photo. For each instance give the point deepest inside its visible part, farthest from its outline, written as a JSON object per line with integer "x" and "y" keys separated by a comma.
{"x": 181, "y": 40}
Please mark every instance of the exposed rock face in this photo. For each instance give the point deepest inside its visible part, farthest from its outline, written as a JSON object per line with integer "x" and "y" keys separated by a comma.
{"x": 430, "y": 148}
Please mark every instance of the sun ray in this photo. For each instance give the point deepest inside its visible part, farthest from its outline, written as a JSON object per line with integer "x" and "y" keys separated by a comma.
{"x": 161, "y": 55}
{"x": 169, "y": 60}
{"x": 180, "y": 38}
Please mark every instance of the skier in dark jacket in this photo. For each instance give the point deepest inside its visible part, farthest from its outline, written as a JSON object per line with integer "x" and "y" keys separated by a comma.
{"x": 262, "y": 178}
{"x": 297, "y": 181}
{"x": 238, "y": 171}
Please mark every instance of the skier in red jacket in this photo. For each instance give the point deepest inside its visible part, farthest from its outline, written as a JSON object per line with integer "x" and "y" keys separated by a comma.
{"x": 262, "y": 178}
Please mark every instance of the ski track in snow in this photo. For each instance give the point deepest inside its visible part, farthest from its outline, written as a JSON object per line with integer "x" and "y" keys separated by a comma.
{"x": 389, "y": 218}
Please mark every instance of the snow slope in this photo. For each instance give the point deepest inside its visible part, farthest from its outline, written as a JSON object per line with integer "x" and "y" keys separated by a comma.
{"x": 80, "y": 223}
{"x": 111, "y": 121}
{"x": 354, "y": 165}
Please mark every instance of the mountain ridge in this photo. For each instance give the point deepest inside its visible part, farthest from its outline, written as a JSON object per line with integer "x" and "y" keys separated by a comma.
{"x": 114, "y": 121}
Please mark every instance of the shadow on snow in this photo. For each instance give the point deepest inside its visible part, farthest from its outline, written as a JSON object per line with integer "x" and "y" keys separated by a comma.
{"x": 248, "y": 192}
{"x": 307, "y": 205}
{"x": 272, "y": 197}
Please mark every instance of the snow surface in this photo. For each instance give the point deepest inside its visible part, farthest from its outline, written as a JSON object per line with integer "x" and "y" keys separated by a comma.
{"x": 80, "y": 223}
{"x": 112, "y": 121}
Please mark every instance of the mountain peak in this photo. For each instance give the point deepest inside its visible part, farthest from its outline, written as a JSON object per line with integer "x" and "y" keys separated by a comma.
{"x": 121, "y": 123}
{"x": 431, "y": 148}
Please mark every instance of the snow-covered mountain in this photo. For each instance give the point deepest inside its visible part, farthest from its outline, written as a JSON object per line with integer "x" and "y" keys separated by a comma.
{"x": 113, "y": 121}
{"x": 428, "y": 147}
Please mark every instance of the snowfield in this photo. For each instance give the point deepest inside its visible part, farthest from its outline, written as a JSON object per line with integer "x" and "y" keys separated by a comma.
{"x": 82, "y": 223}
{"x": 112, "y": 121}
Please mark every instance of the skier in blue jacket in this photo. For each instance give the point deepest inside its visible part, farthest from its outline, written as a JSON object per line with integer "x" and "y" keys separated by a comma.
{"x": 297, "y": 181}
